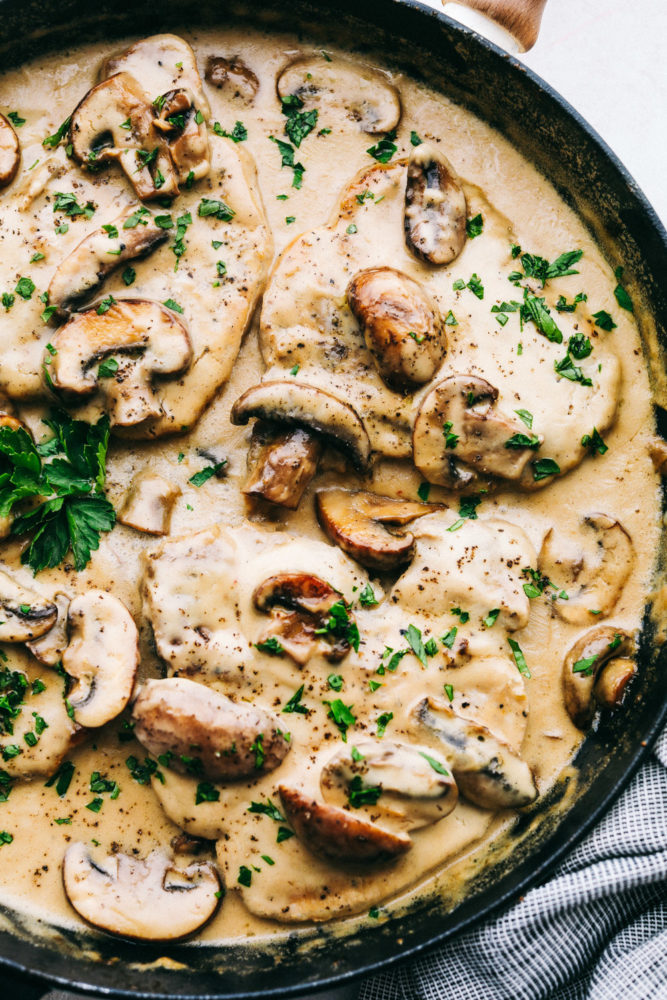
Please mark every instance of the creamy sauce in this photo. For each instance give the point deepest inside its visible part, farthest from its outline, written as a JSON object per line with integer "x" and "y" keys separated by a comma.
{"x": 205, "y": 580}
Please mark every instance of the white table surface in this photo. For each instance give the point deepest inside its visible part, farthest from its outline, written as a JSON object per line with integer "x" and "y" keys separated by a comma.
{"x": 606, "y": 58}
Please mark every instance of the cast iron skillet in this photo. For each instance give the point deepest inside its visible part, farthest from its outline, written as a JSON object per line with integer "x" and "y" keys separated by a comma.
{"x": 547, "y": 131}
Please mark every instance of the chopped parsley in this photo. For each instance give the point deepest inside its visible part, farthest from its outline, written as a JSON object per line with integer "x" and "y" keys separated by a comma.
{"x": 519, "y": 658}
{"x": 476, "y": 287}
{"x": 544, "y": 467}
{"x": 604, "y": 320}
{"x": 244, "y": 876}
{"x": 491, "y": 618}
{"x": 620, "y": 294}
{"x": 25, "y": 287}
{"x": 203, "y": 476}
{"x": 62, "y": 778}
{"x": 294, "y": 703}
{"x": 423, "y": 491}
{"x": 270, "y": 646}
{"x": 579, "y": 346}
{"x": 566, "y": 368}
{"x": 523, "y": 441}
{"x": 383, "y": 721}
{"x": 526, "y": 417}
{"x": 451, "y": 440}
{"x": 238, "y": 134}
{"x": 54, "y": 140}
{"x": 216, "y": 208}
{"x": 335, "y": 682}
{"x": 564, "y": 306}
{"x": 287, "y": 160}
{"x": 413, "y": 637}
{"x": 384, "y": 149}
{"x": 367, "y": 597}
{"x": 535, "y": 310}
{"x": 435, "y": 764}
{"x": 359, "y": 794}
{"x": 585, "y": 666}
{"x": 66, "y": 202}
{"x": 594, "y": 442}
{"x": 206, "y": 792}
{"x": 341, "y": 626}
{"x": 474, "y": 226}
{"x": 108, "y": 368}
{"x": 463, "y": 616}
{"x": 341, "y": 715}
{"x": 266, "y": 809}
{"x": 142, "y": 773}
{"x": 129, "y": 275}
{"x": 449, "y": 691}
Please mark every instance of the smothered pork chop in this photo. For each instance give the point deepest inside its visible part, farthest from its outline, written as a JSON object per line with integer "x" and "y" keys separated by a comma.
{"x": 316, "y": 566}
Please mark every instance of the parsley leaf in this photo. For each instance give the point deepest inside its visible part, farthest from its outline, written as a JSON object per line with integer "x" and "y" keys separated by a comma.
{"x": 519, "y": 658}
{"x": 341, "y": 715}
{"x": 474, "y": 226}
{"x": 384, "y": 150}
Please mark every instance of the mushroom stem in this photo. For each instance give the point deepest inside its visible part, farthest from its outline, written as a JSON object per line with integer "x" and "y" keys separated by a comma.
{"x": 282, "y": 463}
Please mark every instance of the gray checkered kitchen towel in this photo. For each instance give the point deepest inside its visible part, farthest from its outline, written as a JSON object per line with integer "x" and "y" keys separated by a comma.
{"x": 597, "y": 930}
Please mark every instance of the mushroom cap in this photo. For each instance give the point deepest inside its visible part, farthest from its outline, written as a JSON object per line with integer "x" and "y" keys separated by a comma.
{"x": 10, "y": 152}
{"x": 611, "y": 685}
{"x": 298, "y": 630}
{"x": 233, "y": 76}
{"x": 598, "y": 581}
{"x": 145, "y": 900}
{"x": 49, "y": 647}
{"x": 582, "y": 666}
{"x": 97, "y": 137}
{"x": 299, "y": 405}
{"x": 416, "y": 785}
{"x": 26, "y": 614}
{"x": 102, "y": 657}
{"x": 369, "y": 97}
{"x": 354, "y": 520}
{"x": 148, "y": 503}
{"x": 487, "y": 771}
{"x": 84, "y": 270}
{"x": 337, "y": 834}
{"x": 160, "y": 63}
{"x": 466, "y": 406}
{"x": 233, "y": 740}
{"x": 401, "y": 323}
{"x": 150, "y": 340}
{"x": 282, "y": 461}
{"x": 435, "y": 207}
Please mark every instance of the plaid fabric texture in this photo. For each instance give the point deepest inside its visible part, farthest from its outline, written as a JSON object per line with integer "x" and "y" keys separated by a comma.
{"x": 597, "y": 930}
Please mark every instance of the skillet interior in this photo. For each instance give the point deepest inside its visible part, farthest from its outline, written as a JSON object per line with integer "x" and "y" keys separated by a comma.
{"x": 544, "y": 129}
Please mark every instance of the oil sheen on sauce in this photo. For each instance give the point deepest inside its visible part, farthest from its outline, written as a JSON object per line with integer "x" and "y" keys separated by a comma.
{"x": 518, "y": 206}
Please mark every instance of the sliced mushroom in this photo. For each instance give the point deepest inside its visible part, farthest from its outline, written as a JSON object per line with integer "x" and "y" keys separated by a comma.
{"x": 205, "y": 733}
{"x": 401, "y": 323}
{"x": 658, "y": 453}
{"x": 597, "y": 582}
{"x": 115, "y": 122}
{"x": 366, "y": 94}
{"x": 582, "y": 666}
{"x": 354, "y": 521}
{"x": 612, "y": 682}
{"x": 300, "y": 606}
{"x": 146, "y": 900}
{"x": 435, "y": 207}
{"x": 50, "y": 646}
{"x": 486, "y": 769}
{"x": 299, "y": 405}
{"x": 147, "y": 340}
{"x": 10, "y": 152}
{"x": 459, "y": 435}
{"x": 233, "y": 76}
{"x": 93, "y": 260}
{"x": 25, "y": 614}
{"x": 148, "y": 503}
{"x": 411, "y": 785}
{"x": 337, "y": 834}
{"x": 160, "y": 63}
{"x": 282, "y": 463}
{"x": 101, "y": 658}
{"x": 186, "y": 133}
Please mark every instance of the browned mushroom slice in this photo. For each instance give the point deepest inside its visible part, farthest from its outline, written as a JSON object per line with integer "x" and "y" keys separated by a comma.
{"x": 24, "y": 613}
{"x": 487, "y": 771}
{"x": 10, "y": 152}
{"x": 402, "y": 782}
{"x": 160, "y": 63}
{"x": 366, "y": 94}
{"x": 146, "y": 339}
{"x": 99, "y": 254}
{"x": 49, "y": 648}
{"x": 337, "y": 834}
{"x": 301, "y": 621}
{"x": 435, "y": 207}
{"x": 401, "y": 323}
{"x": 204, "y": 733}
{"x": 101, "y": 658}
{"x": 98, "y": 135}
{"x": 354, "y": 521}
{"x": 233, "y": 76}
{"x": 460, "y": 434}
{"x": 612, "y": 682}
{"x": 582, "y": 666}
{"x": 146, "y": 900}
{"x": 148, "y": 503}
{"x": 593, "y": 584}
{"x": 658, "y": 452}
{"x": 186, "y": 134}
{"x": 282, "y": 462}
{"x": 299, "y": 405}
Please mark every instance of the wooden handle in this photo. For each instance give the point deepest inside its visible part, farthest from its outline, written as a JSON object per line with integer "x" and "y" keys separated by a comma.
{"x": 520, "y": 18}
